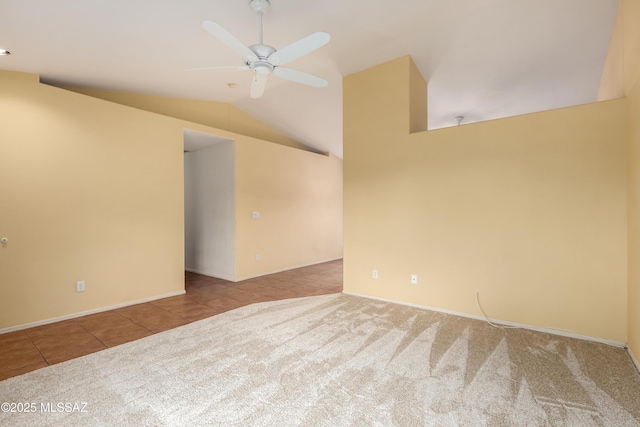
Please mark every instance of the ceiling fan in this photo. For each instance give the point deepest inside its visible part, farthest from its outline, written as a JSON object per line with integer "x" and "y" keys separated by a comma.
{"x": 263, "y": 59}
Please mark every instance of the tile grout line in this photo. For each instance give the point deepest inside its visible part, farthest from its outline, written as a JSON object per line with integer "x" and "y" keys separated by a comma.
{"x": 89, "y": 332}
{"x": 142, "y": 326}
{"x": 37, "y": 349}
{"x": 175, "y": 314}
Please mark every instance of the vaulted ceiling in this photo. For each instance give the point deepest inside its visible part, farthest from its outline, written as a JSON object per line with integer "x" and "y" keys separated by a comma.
{"x": 482, "y": 59}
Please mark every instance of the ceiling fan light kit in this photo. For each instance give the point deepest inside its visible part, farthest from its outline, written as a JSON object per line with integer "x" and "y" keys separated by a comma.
{"x": 263, "y": 59}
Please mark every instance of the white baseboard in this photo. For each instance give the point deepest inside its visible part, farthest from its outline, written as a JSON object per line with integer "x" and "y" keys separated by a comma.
{"x": 191, "y": 270}
{"x": 633, "y": 359}
{"x": 85, "y": 313}
{"x": 217, "y": 276}
{"x": 501, "y": 322}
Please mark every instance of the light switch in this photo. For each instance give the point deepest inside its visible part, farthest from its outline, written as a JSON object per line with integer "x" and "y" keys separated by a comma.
{"x": 255, "y": 214}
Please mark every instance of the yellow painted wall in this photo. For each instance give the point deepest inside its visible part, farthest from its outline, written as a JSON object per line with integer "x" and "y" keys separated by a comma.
{"x": 631, "y": 30}
{"x": 631, "y": 34}
{"x": 299, "y": 197}
{"x": 91, "y": 191}
{"x": 529, "y": 210}
{"x": 634, "y": 220}
{"x": 612, "y": 82}
{"x": 215, "y": 114}
{"x": 418, "y": 96}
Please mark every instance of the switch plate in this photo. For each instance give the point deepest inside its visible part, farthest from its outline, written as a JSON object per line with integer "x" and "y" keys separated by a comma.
{"x": 374, "y": 274}
{"x": 414, "y": 279}
{"x": 255, "y": 214}
{"x": 257, "y": 257}
{"x": 80, "y": 286}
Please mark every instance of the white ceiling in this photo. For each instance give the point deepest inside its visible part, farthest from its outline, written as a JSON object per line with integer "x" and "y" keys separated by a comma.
{"x": 483, "y": 59}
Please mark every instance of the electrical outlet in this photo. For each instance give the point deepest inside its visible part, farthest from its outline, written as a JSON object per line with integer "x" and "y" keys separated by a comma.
{"x": 80, "y": 286}
{"x": 414, "y": 279}
{"x": 374, "y": 274}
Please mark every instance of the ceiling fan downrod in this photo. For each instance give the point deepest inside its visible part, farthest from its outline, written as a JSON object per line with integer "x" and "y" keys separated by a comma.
{"x": 260, "y": 7}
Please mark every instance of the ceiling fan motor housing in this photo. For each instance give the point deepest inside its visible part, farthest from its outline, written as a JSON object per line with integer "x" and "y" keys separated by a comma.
{"x": 262, "y": 65}
{"x": 262, "y": 51}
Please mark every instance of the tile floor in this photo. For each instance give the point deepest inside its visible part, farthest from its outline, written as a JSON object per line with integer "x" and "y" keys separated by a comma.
{"x": 34, "y": 348}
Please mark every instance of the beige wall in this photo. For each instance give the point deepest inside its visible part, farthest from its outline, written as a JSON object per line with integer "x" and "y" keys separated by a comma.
{"x": 634, "y": 221}
{"x": 90, "y": 191}
{"x": 529, "y": 210}
{"x": 215, "y": 114}
{"x": 93, "y": 190}
{"x": 631, "y": 35}
{"x": 612, "y": 82}
{"x": 299, "y": 197}
{"x": 631, "y": 30}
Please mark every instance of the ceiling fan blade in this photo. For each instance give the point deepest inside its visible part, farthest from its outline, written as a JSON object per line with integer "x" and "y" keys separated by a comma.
{"x": 230, "y": 67}
{"x": 297, "y": 49}
{"x": 258, "y": 84}
{"x": 299, "y": 77}
{"x": 230, "y": 40}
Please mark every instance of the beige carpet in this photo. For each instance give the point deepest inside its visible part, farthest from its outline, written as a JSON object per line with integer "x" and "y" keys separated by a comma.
{"x": 335, "y": 360}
